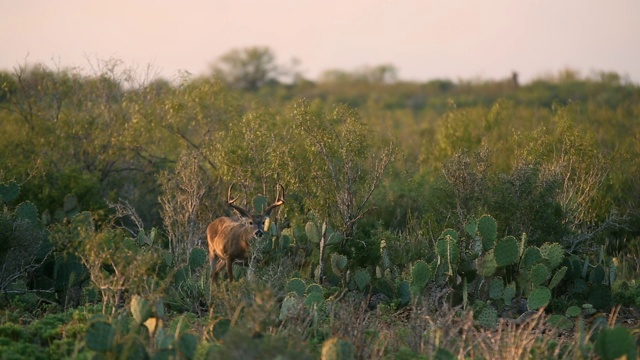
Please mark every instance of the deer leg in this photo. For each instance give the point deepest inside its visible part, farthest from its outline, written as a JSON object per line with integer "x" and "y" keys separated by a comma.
{"x": 230, "y": 269}
{"x": 216, "y": 266}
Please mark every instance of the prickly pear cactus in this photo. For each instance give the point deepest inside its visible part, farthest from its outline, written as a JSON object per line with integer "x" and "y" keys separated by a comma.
{"x": 538, "y": 298}
{"x": 141, "y": 309}
{"x": 335, "y": 238}
{"x": 553, "y": 253}
{"x": 573, "y": 311}
{"x": 471, "y": 227}
{"x": 312, "y": 231}
{"x": 539, "y": 274}
{"x": 197, "y": 258}
{"x": 27, "y": 211}
{"x": 509, "y": 293}
{"x": 187, "y": 345}
{"x": 487, "y": 264}
{"x": 420, "y": 276}
{"x": 616, "y": 343}
{"x": 313, "y": 288}
{"x": 506, "y": 251}
{"x": 314, "y": 299}
{"x": 260, "y": 203}
{"x": 488, "y": 230}
{"x": 531, "y": 257}
{"x": 220, "y": 328}
{"x": 448, "y": 252}
{"x": 337, "y": 349}
{"x": 496, "y": 288}
{"x": 9, "y": 191}
{"x": 404, "y": 292}
{"x": 338, "y": 263}
{"x": 297, "y": 286}
{"x": 362, "y": 278}
{"x": 557, "y": 277}
{"x": 100, "y": 336}
{"x": 560, "y": 322}
{"x": 488, "y": 317}
{"x": 288, "y": 307}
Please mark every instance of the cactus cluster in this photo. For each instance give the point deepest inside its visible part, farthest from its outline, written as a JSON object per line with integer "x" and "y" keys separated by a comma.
{"x": 117, "y": 339}
{"x": 490, "y": 270}
{"x": 590, "y": 283}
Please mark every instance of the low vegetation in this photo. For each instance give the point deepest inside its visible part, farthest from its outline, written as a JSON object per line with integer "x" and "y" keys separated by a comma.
{"x": 469, "y": 219}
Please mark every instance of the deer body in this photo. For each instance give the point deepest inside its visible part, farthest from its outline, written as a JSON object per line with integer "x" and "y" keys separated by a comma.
{"x": 230, "y": 239}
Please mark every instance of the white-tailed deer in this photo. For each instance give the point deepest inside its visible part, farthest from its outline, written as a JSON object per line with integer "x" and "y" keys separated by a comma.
{"x": 229, "y": 238}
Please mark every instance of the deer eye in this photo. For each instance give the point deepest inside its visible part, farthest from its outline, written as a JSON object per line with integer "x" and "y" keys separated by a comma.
{"x": 250, "y": 222}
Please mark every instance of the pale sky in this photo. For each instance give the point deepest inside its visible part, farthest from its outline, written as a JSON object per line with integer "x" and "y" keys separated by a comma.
{"x": 454, "y": 39}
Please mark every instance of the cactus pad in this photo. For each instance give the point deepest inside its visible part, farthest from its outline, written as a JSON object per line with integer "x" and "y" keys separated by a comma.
{"x": 338, "y": 263}
{"x": 509, "y": 293}
{"x": 420, "y": 275}
{"x": 488, "y": 317}
{"x": 449, "y": 252}
{"x": 297, "y": 286}
{"x": 362, "y": 278}
{"x": 260, "y": 203}
{"x": 140, "y": 309}
{"x": 289, "y": 305}
{"x": 449, "y": 232}
{"x": 100, "y": 335}
{"x": 560, "y": 322}
{"x": 506, "y": 251}
{"x": 616, "y": 343}
{"x": 471, "y": 227}
{"x": 313, "y": 288}
{"x": 553, "y": 253}
{"x": 531, "y": 257}
{"x": 220, "y": 328}
{"x": 487, "y": 264}
{"x": 187, "y": 345}
{"x": 335, "y": 238}
{"x": 197, "y": 258}
{"x": 538, "y": 298}
{"x": 313, "y": 299}
{"x": 488, "y": 230}
{"x": 312, "y": 231}
{"x": 557, "y": 277}
{"x": 538, "y": 274}
{"x": 573, "y": 311}
{"x": 496, "y": 288}
{"x": 27, "y": 211}
{"x": 9, "y": 191}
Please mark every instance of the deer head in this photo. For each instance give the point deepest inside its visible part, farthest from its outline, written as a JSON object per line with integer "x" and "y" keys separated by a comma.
{"x": 229, "y": 238}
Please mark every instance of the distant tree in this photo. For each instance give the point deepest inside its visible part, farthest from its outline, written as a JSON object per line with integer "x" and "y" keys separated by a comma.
{"x": 380, "y": 74}
{"x": 248, "y": 68}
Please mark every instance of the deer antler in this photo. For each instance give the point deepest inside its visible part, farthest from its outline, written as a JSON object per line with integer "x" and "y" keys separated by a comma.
{"x": 241, "y": 211}
{"x": 279, "y": 200}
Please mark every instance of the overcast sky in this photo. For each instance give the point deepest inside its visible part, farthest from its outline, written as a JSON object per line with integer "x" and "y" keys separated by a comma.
{"x": 427, "y": 39}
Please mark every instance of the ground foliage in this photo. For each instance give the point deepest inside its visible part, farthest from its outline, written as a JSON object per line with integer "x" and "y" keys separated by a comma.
{"x": 477, "y": 219}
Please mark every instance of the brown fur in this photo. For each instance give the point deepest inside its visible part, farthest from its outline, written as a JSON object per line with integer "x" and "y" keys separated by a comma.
{"x": 229, "y": 239}
{"x": 229, "y": 242}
